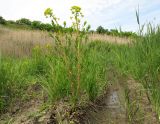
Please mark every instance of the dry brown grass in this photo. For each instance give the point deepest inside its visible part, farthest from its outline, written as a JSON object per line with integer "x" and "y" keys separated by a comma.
{"x": 110, "y": 39}
{"x": 21, "y": 42}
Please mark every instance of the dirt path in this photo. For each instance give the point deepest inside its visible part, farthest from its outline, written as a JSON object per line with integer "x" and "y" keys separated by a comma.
{"x": 31, "y": 111}
{"x": 123, "y": 104}
{"x": 139, "y": 108}
{"x": 110, "y": 109}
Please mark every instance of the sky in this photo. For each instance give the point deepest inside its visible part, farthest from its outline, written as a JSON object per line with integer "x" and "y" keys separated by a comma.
{"x": 107, "y": 13}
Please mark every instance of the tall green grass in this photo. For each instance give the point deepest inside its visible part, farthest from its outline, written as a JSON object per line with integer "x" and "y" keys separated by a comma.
{"x": 12, "y": 78}
{"x": 141, "y": 60}
{"x": 16, "y": 75}
{"x": 56, "y": 69}
{"x": 60, "y": 80}
{"x": 57, "y": 75}
{"x": 76, "y": 69}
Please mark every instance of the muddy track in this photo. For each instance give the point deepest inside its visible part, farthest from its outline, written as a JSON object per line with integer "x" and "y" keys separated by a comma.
{"x": 123, "y": 103}
{"x": 109, "y": 109}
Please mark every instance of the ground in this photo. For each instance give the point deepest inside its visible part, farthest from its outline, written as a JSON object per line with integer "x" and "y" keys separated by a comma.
{"x": 124, "y": 101}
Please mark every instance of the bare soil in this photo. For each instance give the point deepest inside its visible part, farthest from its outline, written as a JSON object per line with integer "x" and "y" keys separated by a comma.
{"x": 124, "y": 102}
{"x": 30, "y": 111}
{"x": 140, "y": 109}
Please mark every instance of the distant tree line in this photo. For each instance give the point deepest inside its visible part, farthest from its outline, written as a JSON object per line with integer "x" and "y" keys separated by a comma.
{"x": 23, "y": 22}
{"x": 115, "y": 32}
{"x": 37, "y": 25}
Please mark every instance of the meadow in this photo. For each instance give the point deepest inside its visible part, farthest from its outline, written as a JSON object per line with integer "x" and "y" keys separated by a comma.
{"x": 75, "y": 66}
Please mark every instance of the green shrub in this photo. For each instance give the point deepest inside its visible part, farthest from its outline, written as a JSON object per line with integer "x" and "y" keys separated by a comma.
{"x": 47, "y": 27}
{"x": 36, "y": 25}
{"x": 115, "y": 32}
{"x": 100, "y": 30}
{"x": 11, "y": 22}
{"x": 2, "y": 20}
{"x": 24, "y": 21}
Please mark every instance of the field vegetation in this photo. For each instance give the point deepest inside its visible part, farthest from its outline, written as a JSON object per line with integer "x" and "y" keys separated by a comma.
{"x": 74, "y": 65}
{"x": 27, "y": 24}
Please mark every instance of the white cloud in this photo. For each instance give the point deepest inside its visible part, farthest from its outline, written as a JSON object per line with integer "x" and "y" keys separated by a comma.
{"x": 108, "y": 13}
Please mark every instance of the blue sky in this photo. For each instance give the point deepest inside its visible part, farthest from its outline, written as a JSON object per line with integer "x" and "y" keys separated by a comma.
{"x": 108, "y": 13}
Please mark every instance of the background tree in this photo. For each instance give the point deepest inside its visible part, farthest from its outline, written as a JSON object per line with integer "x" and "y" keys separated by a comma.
{"x": 47, "y": 27}
{"x": 11, "y": 22}
{"x": 36, "y": 25}
{"x": 24, "y": 21}
{"x": 2, "y": 20}
{"x": 100, "y": 30}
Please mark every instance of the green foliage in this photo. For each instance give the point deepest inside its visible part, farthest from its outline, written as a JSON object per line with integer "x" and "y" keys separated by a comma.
{"x": 46, "y": 27}
{"x": 37, "y": 65}
{"x": 76, "y": 18}
{"x": 41, "y": 26}
{"x": 36, "y": 25}
{"x": 2, "y": 20}
{"x": 49, "y": 13}
{"x": 4, "y": 85}
{"x": 100, "y": 30}
{"x": 11, "y": 22}
{"x": 74, "y": 69}
{"x": 24, "y": 21}
{"x": 12, "y": 81}
{"x": 115, "y": 32}
{"x": 93, "y": 72}
{"x": 142, "y": 62}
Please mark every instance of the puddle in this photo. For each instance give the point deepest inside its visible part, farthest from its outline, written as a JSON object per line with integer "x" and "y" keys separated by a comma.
{"x": 113, "y": 100}
{"x": 113, "y": 110}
